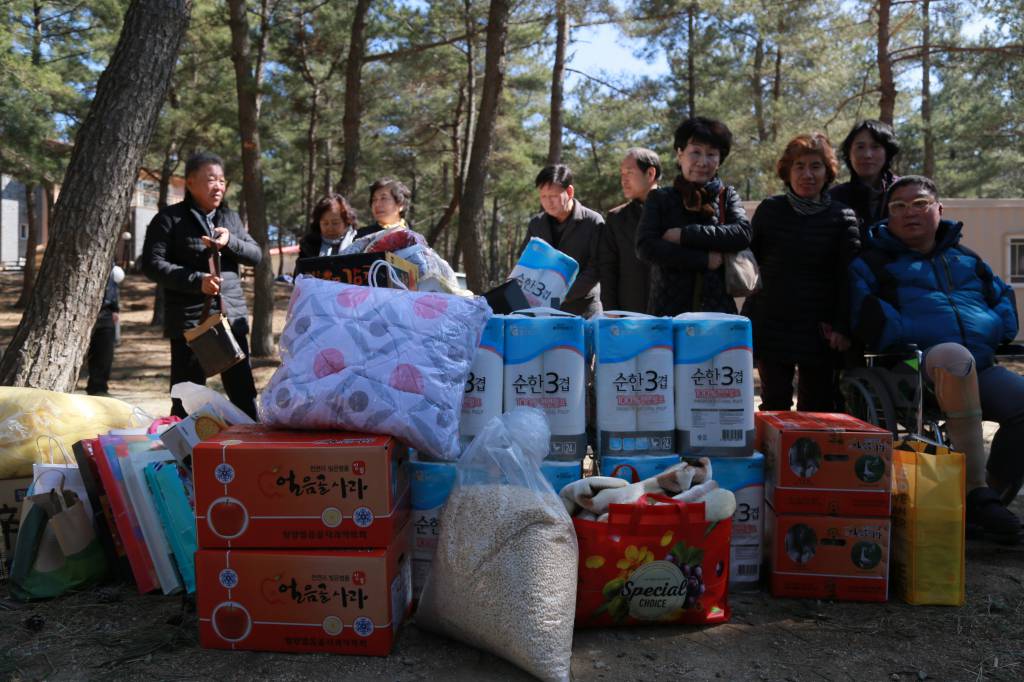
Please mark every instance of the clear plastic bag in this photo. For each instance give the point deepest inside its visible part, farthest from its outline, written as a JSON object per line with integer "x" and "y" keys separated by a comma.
{"x": 504, "y": 575}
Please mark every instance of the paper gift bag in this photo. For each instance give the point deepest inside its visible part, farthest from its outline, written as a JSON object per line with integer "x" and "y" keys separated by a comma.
{"x": 57, "y": 468}
{"x": 656, "y": 561}
{"x": 57, "y": 548}
{"x": 928, "y": 523}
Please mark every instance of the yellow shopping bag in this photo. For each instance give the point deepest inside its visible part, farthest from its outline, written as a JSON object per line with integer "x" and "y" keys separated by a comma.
{"x": 928, "y": 523}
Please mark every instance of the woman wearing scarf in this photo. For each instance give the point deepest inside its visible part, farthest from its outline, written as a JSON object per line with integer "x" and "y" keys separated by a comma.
{"x": 803, "y": 241}
{"x": 684, "y": 229}
{"x": 332, "y": 228}
{"x": 868, "y": 151}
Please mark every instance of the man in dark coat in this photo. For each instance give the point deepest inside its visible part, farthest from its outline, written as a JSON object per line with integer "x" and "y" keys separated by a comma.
{"x": 573, "y": 229}
{"x": 176, "y": 255}
{"x": 101, "y": 343}
{"x": 625, "y": 279}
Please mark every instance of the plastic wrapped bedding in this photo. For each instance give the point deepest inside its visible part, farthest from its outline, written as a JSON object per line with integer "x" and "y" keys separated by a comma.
{"x": 375, "y": 360}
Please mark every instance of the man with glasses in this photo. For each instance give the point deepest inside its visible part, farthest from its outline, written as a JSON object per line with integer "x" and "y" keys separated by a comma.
{"x": 915, "y": 283}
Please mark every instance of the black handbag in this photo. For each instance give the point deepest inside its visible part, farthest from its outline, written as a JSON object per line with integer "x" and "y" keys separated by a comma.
{"x": 212, "y": 341}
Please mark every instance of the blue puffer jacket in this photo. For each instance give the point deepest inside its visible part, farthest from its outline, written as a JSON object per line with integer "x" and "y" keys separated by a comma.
{"x": 899, "y": 296}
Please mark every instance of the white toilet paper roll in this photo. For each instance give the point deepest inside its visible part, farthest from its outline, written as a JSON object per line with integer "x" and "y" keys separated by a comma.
{"x": 564, "y": 387}
{"x": 615, "y": 384}
{"x": 657, "y": 369}
{"x": 524, "y": 384}
{"x": 483, "y": 394}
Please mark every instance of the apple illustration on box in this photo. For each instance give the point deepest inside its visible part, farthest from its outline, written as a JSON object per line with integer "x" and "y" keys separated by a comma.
{"x": 267, "y": 482}
{"x": 231, "y": 621}
{"x": 270, "y": 588}
{"x": 227, "y": 517}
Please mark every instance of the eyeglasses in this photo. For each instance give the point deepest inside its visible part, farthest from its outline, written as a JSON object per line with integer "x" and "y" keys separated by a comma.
{"x": 920, "y": 204}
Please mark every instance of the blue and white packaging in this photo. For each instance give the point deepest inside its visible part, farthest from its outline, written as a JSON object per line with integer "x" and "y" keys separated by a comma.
{"x": 431, "y": 484}
{"x": 714, "y": 372}
{"x": 633, "y": 382}
{"x": 483, "y": 395}
{"x": 544, "y": 273}
{"x": 646, "y": 466}
{"x": 560, "y": 474}
{"x": 744, "y": 476}
{"x": 544, "y": 368}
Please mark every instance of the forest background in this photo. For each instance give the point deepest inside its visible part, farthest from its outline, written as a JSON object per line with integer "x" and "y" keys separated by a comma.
{"x": 465, "y": 100}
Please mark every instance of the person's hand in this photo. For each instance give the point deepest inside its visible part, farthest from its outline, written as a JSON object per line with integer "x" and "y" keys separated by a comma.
{"x": 715, "y": 260}
{"x": 838, "y": 342}
{"x": 211, "y": 284}
{"x": 219, "y": 239}
{"x": 674, "y": 235}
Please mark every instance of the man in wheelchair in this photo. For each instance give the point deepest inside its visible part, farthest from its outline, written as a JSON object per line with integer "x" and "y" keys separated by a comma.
{"x": 914, "y": 283}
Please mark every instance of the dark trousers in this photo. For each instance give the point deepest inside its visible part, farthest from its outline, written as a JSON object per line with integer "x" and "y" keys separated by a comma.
{"x": 238, "y": 381}
{"x": 1002, "y": 400}
{"x": 101, "y": 359}
{"x": 814, "y": 386}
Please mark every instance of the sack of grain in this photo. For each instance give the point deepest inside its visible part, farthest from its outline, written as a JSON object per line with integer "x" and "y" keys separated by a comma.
{"x": 504, "y": 575}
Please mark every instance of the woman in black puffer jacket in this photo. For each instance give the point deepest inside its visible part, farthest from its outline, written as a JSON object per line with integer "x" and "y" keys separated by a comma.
{"x": 803, "y": 240}
{"x": 685, "y": 229}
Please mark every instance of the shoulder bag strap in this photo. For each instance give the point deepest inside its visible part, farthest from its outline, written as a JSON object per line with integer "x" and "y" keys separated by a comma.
{"x": 215, "y": 271}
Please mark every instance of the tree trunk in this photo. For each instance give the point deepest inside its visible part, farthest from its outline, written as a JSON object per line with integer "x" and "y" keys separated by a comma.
{"x": 326, "y": 142}
{"x": 311, "y": 132}
{"x": 472, "y": 204}
{"x": 493, "y": 244}
{"x": 926, "y": 91}
{"x": 691, "y": 59}
{"x": 353, "y": 100}
{"x": 887, "y": 100}
{"x": 557, "y": 84}
{"x": 29, "y": 272}
{"x": 777, "y": 88}
{"x": 50, "y": 342}
{"x": 262, "y": 338}
{"x": 471, "y": 111}
{"x": 757, "y": 90}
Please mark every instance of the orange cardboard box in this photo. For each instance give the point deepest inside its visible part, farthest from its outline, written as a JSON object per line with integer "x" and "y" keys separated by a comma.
{"x": 260, "y": 488}
{"x": 823, "y": 463}
{"x": 341, "y": 601}
{"x": 828, "y": 557}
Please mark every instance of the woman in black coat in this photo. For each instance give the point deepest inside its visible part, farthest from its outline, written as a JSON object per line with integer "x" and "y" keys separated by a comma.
{"x": 332, "y": 228}
{"x": 868, "y": 150}
{"x": 803, "y": 241}
{"x": 685, "y": 229}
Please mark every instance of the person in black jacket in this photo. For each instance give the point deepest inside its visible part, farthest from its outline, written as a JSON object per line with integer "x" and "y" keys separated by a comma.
{"x": 176, "y": 255}
{"x": 389, "y": 202}
{"x": 573, "y": 229}
{"x": 625, "y": 279}
{"x": 803, "y": 241}
{"x": 868, "y": 151}
{"x": 685, "y": 229}
{"x": 332, "y": 228}
{"x": 101, "y": 344}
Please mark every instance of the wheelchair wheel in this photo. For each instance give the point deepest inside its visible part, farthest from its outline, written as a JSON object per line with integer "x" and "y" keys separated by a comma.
{"x": 867, "y": 398}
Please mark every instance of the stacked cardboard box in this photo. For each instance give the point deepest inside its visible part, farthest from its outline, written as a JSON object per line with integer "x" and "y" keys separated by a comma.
{"x": 829, "y": 505}
{"x": 304, "y": 541}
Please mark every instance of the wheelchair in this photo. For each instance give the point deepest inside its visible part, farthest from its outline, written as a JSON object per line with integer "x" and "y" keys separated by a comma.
{"x": 890, "y": 391}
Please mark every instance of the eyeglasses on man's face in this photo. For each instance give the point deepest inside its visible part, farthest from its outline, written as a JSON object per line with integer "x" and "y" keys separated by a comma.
{"x": 919, "y": 204}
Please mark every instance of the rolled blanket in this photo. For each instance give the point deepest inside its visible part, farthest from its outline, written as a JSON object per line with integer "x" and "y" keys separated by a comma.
{"x": 580, "y": 494}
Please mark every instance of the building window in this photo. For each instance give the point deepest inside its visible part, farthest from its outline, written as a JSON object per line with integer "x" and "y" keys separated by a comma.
{"x": 24, "y": 232}
{"x": 1016, "y": 254}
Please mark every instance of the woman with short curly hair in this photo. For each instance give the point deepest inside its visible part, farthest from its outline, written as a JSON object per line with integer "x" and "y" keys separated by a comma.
{"x": 803, "y": 241}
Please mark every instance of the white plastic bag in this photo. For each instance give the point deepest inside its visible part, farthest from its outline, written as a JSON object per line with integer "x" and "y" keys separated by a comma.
{"x": 193, "y": 397}
{"x": 504, "y": 573}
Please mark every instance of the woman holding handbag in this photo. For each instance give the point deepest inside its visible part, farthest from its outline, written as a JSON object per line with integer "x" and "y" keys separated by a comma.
{"x": 178, "y": 253}
{"x": 685, "y": 229}
{"x": 803, "y": 241}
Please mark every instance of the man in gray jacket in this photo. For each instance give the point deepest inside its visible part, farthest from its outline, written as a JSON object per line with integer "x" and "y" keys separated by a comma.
{"x": 573, "y": 229}
{"x": 625, "y": 279}
{"x": 176, "y": 256}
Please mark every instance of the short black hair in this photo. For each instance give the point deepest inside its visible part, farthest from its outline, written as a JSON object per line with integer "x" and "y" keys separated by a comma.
{"x": 328, "y": 203}
{"x": 200, "y": 159}
{"x": 705, "y": 131}
{"x": 645, "y": 158}
{"x": 924, "y": 182}
{"x": 558, "y": 174}
{"x": 399, "y": 192}
{"x": 883, "y": 134}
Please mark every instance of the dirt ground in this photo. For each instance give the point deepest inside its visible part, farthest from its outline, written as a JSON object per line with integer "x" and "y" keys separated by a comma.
{"x": 111, "y": 632}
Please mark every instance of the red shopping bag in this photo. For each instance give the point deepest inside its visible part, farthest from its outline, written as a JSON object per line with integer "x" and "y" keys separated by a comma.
{"x": 653, "y": 563}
